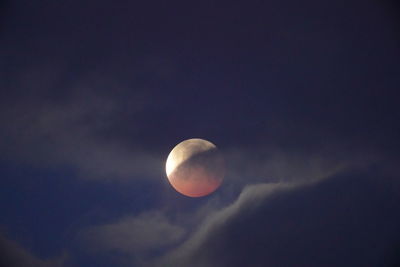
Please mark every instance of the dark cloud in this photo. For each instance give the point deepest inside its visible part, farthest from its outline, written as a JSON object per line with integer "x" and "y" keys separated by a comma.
{"x": 350, "y": 219}
{"x": 13, "y": 254}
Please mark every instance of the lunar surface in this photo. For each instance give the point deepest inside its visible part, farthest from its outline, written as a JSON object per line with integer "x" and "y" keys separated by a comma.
{"x": 195, "y": 167}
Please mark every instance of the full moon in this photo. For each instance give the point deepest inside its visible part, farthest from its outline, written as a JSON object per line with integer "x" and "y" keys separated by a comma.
{"x": 195, "y": 167}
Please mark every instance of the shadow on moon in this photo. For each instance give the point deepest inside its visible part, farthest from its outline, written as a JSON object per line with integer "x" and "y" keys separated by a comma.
{"x": 199, "y": 175}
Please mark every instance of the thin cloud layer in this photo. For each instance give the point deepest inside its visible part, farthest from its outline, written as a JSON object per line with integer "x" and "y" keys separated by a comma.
{"x": 272, "y": 164}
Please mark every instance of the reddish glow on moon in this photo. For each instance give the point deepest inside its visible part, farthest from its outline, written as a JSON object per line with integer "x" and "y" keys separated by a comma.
{"x": 195, "y": 167}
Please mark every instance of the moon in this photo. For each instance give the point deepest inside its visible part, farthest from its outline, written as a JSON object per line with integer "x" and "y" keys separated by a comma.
{"x": 195, "y": 167}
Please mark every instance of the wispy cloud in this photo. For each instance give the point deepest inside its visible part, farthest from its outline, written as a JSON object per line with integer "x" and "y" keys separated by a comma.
{"x": 75, "y": 132}
{"x": 134, "y": 237}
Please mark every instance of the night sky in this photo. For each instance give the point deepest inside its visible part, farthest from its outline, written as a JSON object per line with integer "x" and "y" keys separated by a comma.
{"x": 299, "y": 96}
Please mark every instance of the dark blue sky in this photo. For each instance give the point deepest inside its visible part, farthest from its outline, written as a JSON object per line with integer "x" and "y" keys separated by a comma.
{"x": 301, "y": 97}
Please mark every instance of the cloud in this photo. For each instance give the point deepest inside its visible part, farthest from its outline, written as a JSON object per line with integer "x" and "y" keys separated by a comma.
{"x": 13, "y": 254}
{"x": 78, "y": 132}
{"x": 276, "y": 165}
{"x": 96, "y": 134}
{"x": 134, "y": 237}
{"x": 350, "y": 219}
